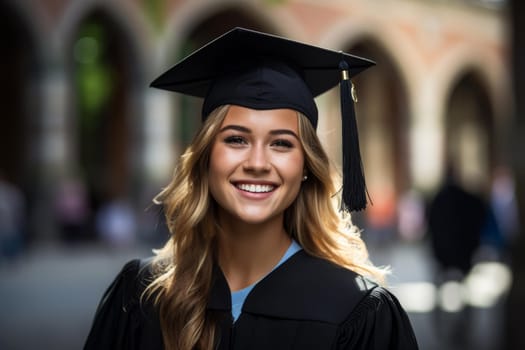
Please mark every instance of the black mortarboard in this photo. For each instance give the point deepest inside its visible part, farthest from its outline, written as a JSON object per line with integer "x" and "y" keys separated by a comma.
{"x": 263, "y": 71}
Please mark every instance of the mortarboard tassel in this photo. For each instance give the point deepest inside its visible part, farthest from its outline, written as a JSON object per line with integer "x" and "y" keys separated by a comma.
{"x": 355, "y": 194}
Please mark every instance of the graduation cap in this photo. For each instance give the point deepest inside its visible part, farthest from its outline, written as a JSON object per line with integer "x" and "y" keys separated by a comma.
{"x": 263, "y": 71}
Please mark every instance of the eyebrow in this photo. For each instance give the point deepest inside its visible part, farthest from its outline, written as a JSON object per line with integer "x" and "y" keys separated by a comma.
{"x": 247, "y": 130}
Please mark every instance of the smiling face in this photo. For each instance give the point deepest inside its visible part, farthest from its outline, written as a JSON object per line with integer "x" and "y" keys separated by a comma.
{"x": 256, "y": 164}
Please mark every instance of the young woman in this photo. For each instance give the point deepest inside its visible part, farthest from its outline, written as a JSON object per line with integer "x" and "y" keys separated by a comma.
{"x": 259, "y": 255}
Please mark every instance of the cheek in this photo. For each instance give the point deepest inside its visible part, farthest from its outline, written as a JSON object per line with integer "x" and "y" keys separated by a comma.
{"x": 218, "y": 160}
{"x": 214, "y": 169}
{"x": 222, "y": 158}
{"x": 222, "y": 164}
{"x": 292, "y": 168}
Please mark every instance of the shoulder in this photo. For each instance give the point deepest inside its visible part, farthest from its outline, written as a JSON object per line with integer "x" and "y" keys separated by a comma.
{"x": 126, "y": 290}
{"x": 379, "y": 321}
{"x": 123, "y": 315}
{"x": 307, "y": 287}
{"x": 330, "y": 275}
{"x": 325, "y": 279}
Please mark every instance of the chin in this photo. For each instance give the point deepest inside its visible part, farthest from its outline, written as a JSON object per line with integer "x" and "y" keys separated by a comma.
{"x": 255, "y": 219}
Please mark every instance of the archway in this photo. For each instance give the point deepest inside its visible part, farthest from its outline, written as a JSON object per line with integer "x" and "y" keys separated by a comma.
{"x": 382, "y": 110}
{"x": 469, "y": 138}
{"x": 101, "y": 63}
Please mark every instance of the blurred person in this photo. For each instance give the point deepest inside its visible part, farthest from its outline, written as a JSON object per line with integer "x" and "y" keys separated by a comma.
{"x": 115, "y": 223}
{"x": 381, "y": 218}
{"x": 12, "y": 219}
{"x": 259, "y": 256}
{"x": 411, "y": 216}
{"x": 492, "y": 242}
{"x": 504, "y": 210}
{"x": 72, "y": 211}
{"x": 456, "y": 219}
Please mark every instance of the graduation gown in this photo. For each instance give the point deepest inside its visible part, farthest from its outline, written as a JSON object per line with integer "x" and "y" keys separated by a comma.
{"x": 305, "y": 303}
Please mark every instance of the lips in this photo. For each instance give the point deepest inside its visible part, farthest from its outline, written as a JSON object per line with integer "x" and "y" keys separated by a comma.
{"x": 255, "y": 188}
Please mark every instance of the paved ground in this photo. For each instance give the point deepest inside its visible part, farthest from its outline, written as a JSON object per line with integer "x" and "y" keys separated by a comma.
{"x": 48, "y": 297}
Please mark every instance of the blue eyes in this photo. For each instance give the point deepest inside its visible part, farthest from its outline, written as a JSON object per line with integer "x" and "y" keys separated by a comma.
{"x": 239, "y": 140}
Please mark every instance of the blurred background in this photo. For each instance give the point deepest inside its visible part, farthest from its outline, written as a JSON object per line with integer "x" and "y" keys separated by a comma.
{"x": 85, "y": 145}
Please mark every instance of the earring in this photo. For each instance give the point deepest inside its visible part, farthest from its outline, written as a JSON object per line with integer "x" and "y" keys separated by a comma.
{"x": 305, "y": 177}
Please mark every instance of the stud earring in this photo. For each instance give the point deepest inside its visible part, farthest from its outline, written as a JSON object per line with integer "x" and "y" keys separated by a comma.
{"x": 305, "y": 177}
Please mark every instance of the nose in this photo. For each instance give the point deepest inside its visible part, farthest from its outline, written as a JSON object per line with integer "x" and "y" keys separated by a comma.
{"x": 257, "y": 160}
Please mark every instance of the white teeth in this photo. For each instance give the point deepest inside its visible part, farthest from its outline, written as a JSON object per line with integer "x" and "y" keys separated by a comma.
{"x": 255, "y": 188}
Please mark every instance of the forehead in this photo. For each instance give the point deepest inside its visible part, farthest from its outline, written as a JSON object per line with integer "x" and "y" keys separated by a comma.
{"x": 270, "y": 119}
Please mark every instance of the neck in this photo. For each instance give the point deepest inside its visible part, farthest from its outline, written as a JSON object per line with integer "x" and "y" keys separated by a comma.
{"x": 247, "y": 253}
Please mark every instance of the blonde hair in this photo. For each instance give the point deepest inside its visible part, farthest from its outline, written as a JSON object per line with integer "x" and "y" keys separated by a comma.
{"x": 314, "y": 219}
{"x": 183, "y": 267}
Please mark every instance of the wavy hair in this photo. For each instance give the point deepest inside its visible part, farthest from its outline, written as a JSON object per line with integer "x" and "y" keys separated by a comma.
{"x": 314, "y": 219}
{"x": 183, "y": 267}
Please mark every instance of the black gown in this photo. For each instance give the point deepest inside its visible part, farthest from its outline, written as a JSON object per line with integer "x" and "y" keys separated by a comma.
{"x": 305, "y": 303}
